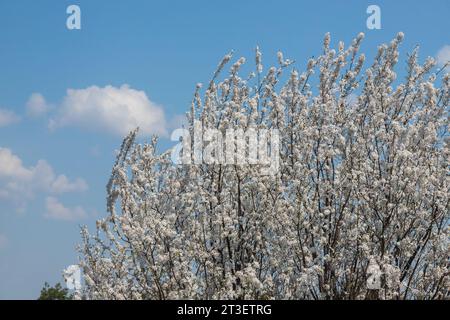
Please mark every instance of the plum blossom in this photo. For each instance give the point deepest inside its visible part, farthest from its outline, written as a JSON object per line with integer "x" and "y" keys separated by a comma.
{"x": 359, "y": 205}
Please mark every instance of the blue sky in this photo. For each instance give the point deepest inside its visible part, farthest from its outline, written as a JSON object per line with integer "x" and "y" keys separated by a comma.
{"x": 56, "y": 155}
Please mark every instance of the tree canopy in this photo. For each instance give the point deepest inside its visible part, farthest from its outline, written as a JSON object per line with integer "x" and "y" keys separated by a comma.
{"x": 358, "y": 206}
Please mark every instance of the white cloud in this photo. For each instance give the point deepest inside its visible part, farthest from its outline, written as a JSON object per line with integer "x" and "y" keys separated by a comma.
{"x": 11, "y": 166}
{"x": 62, "y": 184}
{"x": 443, "y": 55}
{"x": 3, "y": 241}
{"x": 112, "y": 109}
{"x": 7, "y": 117}
{"x": 56, "y": 210}
{"x": 19, "y": 183}
{"x": 36, "y": 105}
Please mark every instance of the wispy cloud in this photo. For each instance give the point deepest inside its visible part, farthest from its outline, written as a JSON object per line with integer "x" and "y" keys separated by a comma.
{"x": 37, "y": 105}
{"x": 56, "y": 210}
{"x": 61, "y": 184}
{"x": 19, "y": 183}
{"x": 115, "y": 110}
{"x": 8, "y": 117}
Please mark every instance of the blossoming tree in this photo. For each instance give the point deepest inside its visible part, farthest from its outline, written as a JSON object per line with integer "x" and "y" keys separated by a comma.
{"x": 358, "y": 208}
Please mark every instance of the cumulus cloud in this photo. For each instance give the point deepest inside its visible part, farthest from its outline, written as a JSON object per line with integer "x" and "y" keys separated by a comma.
{"x": 7, "y": 117}
{"x": 19, "y": 183}
{"x": 62, "y": 184}
{"x": 36, "y": 105}
{"x": 443, "y": 55}
{"x": 112, "y": 109}
{"x": 56, "y": 210}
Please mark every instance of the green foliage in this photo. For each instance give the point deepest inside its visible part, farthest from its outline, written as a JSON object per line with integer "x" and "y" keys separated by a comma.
{"x": 54, "y": 293}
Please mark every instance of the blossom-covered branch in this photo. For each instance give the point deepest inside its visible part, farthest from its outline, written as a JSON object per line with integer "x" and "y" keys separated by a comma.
{"x": 359, "y": 207}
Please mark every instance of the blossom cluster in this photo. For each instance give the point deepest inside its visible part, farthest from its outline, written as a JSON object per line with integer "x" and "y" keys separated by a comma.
{"x": 358, "y": 208}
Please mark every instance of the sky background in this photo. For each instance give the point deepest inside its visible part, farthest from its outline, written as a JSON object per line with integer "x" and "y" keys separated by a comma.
{"x": 67, "y": 97}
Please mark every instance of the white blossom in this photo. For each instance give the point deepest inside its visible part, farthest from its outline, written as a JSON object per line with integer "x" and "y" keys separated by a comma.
{"x": 361, "y": 194}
